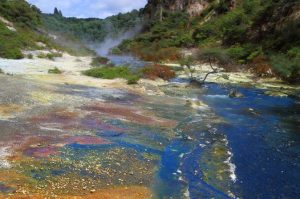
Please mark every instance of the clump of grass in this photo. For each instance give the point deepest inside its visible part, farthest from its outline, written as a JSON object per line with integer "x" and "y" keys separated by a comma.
{"x": 30, "y": 56}
{"x": 1, "y": 71}
{"x": 133, "y": 80}
{"x": 112, "y": 73}
{"x": 42, "y": 56}
{"x": 54, "y": 71}
{"x": 99, "y": 61}
{"x": 50, "y": 56}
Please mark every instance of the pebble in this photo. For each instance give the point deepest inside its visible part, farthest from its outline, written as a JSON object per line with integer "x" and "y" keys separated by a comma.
{"x": 93, "y": 191}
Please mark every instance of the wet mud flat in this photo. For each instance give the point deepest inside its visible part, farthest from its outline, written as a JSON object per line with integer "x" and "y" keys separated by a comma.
{"x": 66, "y": 140}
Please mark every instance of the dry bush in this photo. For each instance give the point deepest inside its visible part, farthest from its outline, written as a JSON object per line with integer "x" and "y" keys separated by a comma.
{"x": 157, "y": 54}
{"x": 158, "y": 71}
{"x": 260, "y": 66}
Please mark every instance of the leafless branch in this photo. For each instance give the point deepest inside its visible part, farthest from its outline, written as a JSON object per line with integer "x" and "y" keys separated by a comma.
{"x": 209, "y": 73}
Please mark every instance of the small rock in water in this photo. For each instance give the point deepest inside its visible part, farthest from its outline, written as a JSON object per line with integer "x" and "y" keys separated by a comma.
{"x": 235, "y": 94}
{"x": 195, "y": 83}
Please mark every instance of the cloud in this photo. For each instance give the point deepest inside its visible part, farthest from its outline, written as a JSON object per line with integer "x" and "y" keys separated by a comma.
{"x": 88, "y": 8}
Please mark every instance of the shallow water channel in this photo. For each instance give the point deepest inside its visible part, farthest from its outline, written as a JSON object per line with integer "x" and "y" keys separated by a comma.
{"x": 60, "y": 140}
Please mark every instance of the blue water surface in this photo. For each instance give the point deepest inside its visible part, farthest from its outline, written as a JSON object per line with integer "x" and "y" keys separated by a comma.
{"x": 263, "y": 133}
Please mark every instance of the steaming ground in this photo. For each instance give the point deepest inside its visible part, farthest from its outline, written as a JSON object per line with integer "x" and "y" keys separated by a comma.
{"x": 110, "y": 42}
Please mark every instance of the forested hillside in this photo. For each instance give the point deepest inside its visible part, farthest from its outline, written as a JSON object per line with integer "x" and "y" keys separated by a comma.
{"x": 91, "y": 29}
{"x": 261, "y": 34}
{"x": 24, "y": 27}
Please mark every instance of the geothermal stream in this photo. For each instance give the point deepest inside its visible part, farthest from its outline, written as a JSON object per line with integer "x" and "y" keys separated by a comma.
{"x": 69, "y": 135}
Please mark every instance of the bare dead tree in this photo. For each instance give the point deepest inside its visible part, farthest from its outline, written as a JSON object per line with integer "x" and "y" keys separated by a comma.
{"x": 208, "y": 56}
{"x": 214, "y": 70}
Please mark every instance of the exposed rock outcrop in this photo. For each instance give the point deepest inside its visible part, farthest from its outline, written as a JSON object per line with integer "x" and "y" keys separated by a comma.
{"x": 8, "y": 24}
{"x": 154, "y": 8}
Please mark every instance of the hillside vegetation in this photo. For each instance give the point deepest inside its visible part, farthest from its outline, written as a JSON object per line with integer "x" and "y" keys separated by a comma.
{"x": 91, "y": 29}
{"x": 19, "y": 28}
{"x": 24, "y": 18}
{"x": 261, "y": 34}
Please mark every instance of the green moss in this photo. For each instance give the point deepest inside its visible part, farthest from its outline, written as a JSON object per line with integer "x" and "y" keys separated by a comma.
{"x": 54, "y": 71}
{"x": 213, "y": 165}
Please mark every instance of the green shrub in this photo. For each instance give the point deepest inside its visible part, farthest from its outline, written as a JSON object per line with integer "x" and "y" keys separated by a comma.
{"x": 116, "y": 51}
{"x": 20, "y": 12}
{"x": 237, "y": 53}
{"x": 294, "y": 52}
{"x": 126, "y": 45}
{"x": 42, "y": 55}
{"x": 54, "y": 71}
{"x": 99, "y": 61}
{"x": 51, "y": 56}
{"x": 254, "y": 54}
{"x": 10, "y": 53}
{"x": 287, "y": 68}
{"x": 10, "y": 43}
{"x": 217, "y": 55}
{"x": 111, "y": 73}
{"x": 204, "y": 32}
{"x": 133, "y": 80}
{"x": 222, "y": 7}
{"x": 30, "y": 56}
{"x": 187, "y": 61}
{"x": 230, "y": 27}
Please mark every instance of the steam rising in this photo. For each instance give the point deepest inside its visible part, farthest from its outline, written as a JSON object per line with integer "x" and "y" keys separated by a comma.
{"x": 109, "y": 42}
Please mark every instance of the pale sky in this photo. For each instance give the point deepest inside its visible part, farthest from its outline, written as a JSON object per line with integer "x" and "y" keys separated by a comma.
{"x": 88, "y": 8}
